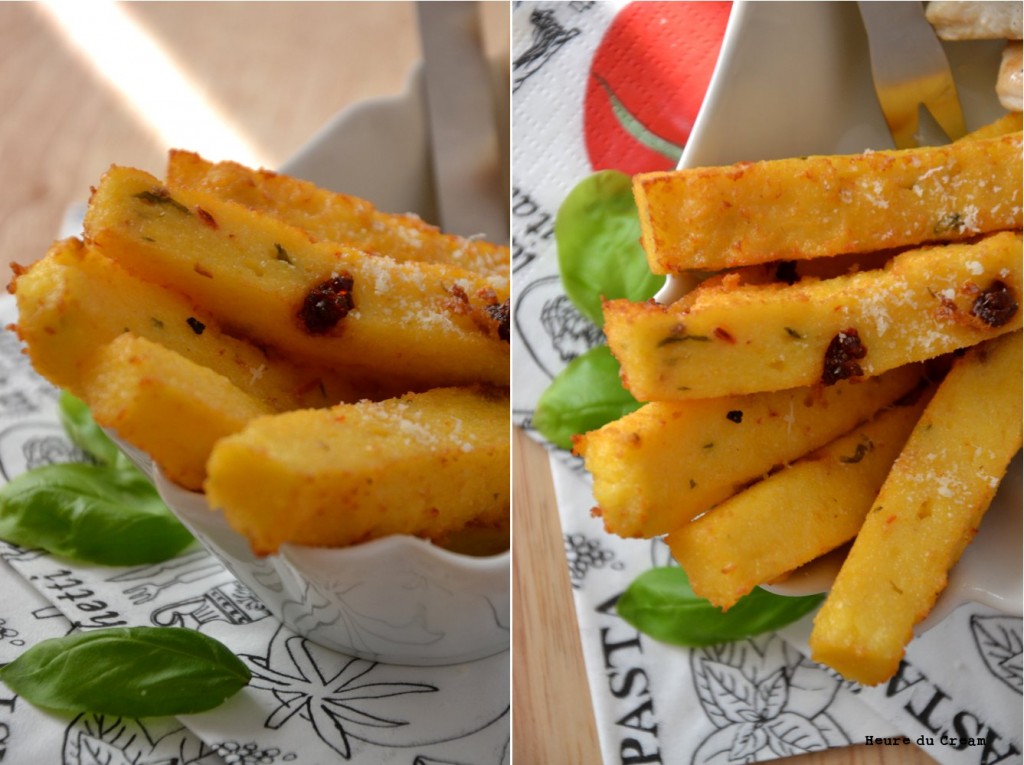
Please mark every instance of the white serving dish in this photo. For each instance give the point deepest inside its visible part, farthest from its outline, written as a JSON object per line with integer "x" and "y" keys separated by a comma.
{"x": 794, "y": 79}
{"x": 400, "y": 599}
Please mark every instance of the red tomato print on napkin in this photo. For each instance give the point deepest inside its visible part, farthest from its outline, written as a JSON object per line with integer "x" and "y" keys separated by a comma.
{"x": 647, "y": 82}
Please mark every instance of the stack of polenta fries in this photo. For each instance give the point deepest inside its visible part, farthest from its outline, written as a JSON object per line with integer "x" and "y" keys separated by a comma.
{"x": 850, "y": 372}
{"x": 326, "y": 372}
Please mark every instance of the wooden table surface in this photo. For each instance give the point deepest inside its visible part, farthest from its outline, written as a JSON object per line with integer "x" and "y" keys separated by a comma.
{"x": 253, "y": 82}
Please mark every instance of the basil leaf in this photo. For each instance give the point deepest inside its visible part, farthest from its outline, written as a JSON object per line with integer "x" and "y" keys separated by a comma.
{"x": 661, "y": 603}
{"x": 584, "y": 396}
{"x": 597, "y": 232}
{"x": 86, "y": 434}
{"x": 93, "y": 513}
{"x": 128, "y": 672}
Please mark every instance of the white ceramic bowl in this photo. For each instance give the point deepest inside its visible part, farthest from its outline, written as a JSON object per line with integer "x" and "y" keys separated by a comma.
{"x": 399, "y": 599}
{"x": 794, "y": 79}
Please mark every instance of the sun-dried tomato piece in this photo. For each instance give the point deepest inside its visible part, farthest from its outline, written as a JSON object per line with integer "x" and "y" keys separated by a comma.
{"x": 501, "y": 314}
{"x": 724, "y": 335}
{"x": 841, "y": 357}
{"x": 206, "y": 218}
{"x": 327, "y": 303}
{"x": 996, "y": 305}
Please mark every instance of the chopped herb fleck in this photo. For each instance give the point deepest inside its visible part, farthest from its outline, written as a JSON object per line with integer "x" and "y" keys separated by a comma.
{"x": 953, "y": 221}
{"x": 282, "y": 254}
{"x": 709, "y": 445}
{"x": 156, "y": 322}
{"x": 862, "y": 450}
{"x": 161, "y": 196}
{"x": 735, "y": 415}
{"x": 197, "y": 326}
{"x": 794, "y": 334}
{"x": 671, "y": 339}
{"x": 693, "y": 484}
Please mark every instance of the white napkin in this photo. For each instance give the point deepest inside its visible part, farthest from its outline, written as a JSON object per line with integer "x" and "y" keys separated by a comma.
{"x": 305, "y": 704}
{"x": 958, "y": 694}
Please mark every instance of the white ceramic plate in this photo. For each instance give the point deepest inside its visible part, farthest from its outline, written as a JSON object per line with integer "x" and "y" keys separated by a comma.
{"x": 794, "y": 79}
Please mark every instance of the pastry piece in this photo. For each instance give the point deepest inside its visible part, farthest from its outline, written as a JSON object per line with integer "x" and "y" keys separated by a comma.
{"x": 1010, "y": 80}
{"x": 975, "y": 19}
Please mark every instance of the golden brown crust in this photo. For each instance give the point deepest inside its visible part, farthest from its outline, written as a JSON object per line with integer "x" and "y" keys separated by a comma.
{"x": 790, "y": 209}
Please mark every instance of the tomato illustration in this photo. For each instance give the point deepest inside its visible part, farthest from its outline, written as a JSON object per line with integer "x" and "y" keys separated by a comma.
{"x": 647, "y": 81}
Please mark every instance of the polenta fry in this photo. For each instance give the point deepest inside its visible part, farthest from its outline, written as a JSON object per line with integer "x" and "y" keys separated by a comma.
{"x": 74, "y": 300}
{"x": 795, "y": 515}
{"x": 717, "y": 217}
{"x": 322, "y": 303}
{"x": 333, "y": 217}
{"x": 725, "y": 341}
{"x": 169, "y": 407}
{"x": 926, "y": 513}
{"x": 662, "y": 465}
{"x": 425, "y": 464}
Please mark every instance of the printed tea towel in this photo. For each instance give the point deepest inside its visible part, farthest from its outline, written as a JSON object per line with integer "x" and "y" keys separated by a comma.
{"x": 605, "y": 86}
{"x": 304, "y": 704}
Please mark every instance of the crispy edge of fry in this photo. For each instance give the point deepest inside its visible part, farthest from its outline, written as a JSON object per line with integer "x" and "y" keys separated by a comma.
{"x": 926, "y": 513}
{"x": 1008, "y": 123}
{"x": 334, "y": 217}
